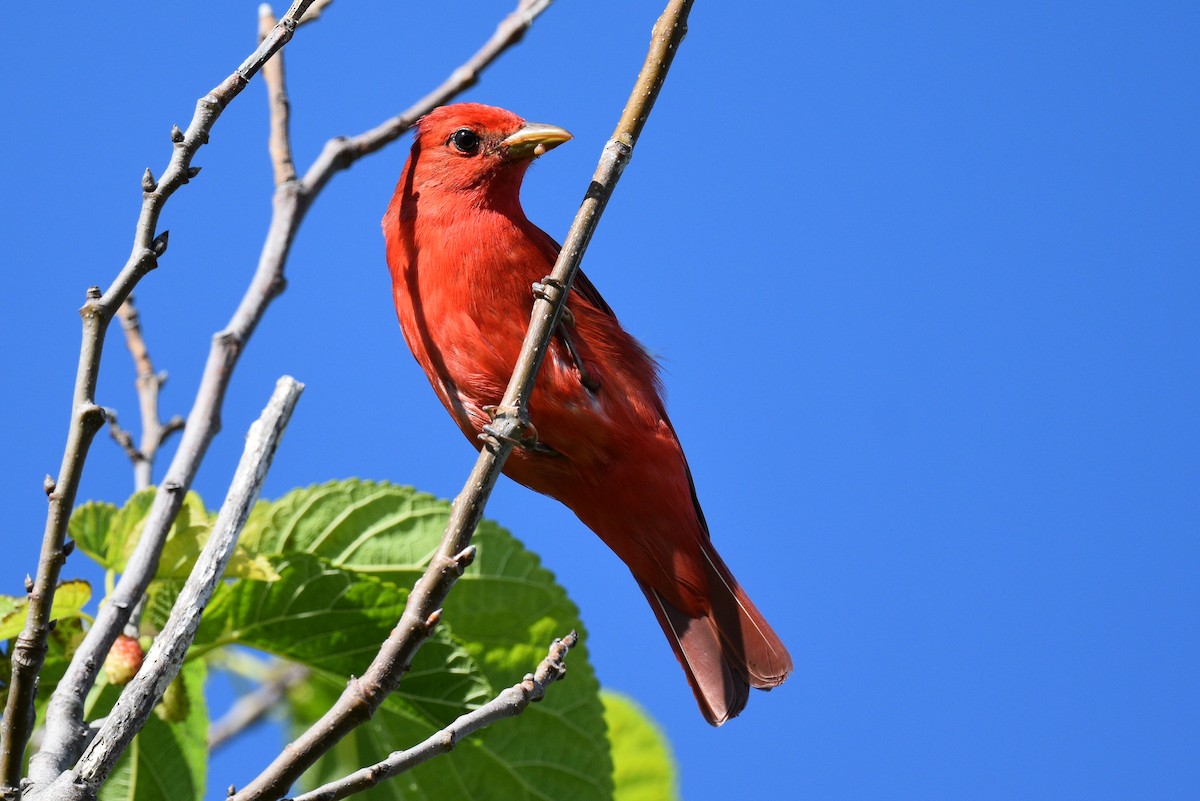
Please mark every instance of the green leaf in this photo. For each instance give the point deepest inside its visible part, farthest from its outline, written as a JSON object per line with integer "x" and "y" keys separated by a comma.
{"x": 334, "y": 620}
{"x": 9, "y": 604}
{"x": 187, "y": 539}
{"x": 512, "y": 759}
{"x": 125, "y": 529}
{"x": 69, "y": 600}
{"x": 643, "y": 769}
{"x": 89, "y": 526}
{"x": 506, "y": 610}
{"x": 166, "y": 761}
{"x": 109, "y": 536}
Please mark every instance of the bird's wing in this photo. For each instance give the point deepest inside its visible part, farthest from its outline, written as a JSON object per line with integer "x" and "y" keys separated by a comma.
{"x": 582, "y": 285}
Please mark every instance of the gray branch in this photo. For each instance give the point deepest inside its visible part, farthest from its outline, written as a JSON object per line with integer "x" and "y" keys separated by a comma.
{"x": 340, "y": 152}
{"x": 166, "y": 656}
{"x": 507, "y": 704}
{"x": 254, "y": 706}
{"x": 65, "y": 729}
{"x": 423, "y": 609}
{"x": 148, "y": 383}
{"x": 29, "y": 651}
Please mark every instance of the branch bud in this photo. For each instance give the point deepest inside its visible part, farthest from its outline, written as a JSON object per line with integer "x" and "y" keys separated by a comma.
{"x": 193, "y": 172}
{"x": 48, "y": 484}
{"x": 464, "y": 558}
{"x": 28, "y": 583}
{"x": 176, "y": 134}
{"x": 148, "y": 182}
{"x": 159, "y": 245}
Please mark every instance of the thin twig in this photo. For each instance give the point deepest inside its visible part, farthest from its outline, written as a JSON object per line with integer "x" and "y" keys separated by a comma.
{"x": 339, "y": 153}
{"x": 148, "y": 383}
{"x": 422, "y": 610}
{"x": 279, "y": 143}
{"x": 165, "y": 659}
{"x": 65, "y": 728}
{"x": 122, "y": 437}
{"x": 314, "y": 11}
{"x": 252, "y": 707}
{"x": 507, "y": 704}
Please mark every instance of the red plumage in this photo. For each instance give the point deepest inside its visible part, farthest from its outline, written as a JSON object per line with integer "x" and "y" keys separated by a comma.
{"x": 463, "y": 258}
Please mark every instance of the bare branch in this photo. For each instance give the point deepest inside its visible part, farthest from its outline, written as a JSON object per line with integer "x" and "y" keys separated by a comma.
{"x": 339, "y": 153}
{"x": 422, "y": 610}
{"x": 172, "y": 426}
{"x": 64, "y": 720}
{"x": 279, "y": 143}
{"x": 148, "y": 384}
{"x": 166, "y": 656}
{"x": 314, "y": 11}
{"x": 122, "y": 437}
{"x": 252, "y": 707}
{"x": 507, "y": 704}
{"x": 668, "y": 32}
{"x": 65, "y": 729}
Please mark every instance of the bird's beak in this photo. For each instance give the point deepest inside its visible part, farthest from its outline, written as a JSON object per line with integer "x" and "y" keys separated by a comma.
{"x": 533, "y": 140}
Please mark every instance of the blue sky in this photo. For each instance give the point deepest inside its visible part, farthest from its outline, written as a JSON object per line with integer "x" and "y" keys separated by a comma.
{"x": 923, "y": 279}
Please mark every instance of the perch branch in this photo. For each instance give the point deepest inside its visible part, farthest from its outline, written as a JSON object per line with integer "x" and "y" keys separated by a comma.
{"x": 65, "y": 729}
{"x": 163, "y": 662}
{"x": 507, "y": 704}
{"x": 362, "y": 696}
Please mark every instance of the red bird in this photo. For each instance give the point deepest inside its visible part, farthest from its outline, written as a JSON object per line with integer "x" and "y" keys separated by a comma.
{"x": 463, "y": 258}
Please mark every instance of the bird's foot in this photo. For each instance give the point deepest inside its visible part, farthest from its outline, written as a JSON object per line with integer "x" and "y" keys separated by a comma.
{"x": 549, "y": 289}
{"x": 510, "y": 425}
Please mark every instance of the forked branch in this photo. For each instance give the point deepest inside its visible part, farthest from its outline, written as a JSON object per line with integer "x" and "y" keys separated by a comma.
{"x": 148, "y": 382}
{"x": 507, "y": 704}
{"x": 422, "y": 610}
{"x": 65, "y": 730}
{"x": 165, "y": 659}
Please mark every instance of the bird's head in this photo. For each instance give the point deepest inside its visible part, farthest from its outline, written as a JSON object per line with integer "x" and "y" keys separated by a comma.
{"x": 479, "y": 150}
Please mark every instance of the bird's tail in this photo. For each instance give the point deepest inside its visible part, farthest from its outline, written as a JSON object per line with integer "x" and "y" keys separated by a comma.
{"x": 728, "y": 649}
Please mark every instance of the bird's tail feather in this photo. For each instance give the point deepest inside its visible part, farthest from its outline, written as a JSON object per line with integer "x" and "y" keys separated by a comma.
{"x": 756, "y": 649}
{"x": 726, "y": 650}
{"x": 720, "y": 691}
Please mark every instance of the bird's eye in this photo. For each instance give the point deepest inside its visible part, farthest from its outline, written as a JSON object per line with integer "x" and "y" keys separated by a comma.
{"x": 466, "y": 140}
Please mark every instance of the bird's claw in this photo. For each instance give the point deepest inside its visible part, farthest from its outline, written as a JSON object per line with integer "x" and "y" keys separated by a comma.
{"x": 509, "y": 425}
{"x": 548, "y": 289}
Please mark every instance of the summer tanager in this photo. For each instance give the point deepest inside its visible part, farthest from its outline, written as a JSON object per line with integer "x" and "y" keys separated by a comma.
{"x": 463, "y": 258}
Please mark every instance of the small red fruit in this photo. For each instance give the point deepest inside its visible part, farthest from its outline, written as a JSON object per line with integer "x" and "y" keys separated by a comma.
{"x": 123, "y": 660}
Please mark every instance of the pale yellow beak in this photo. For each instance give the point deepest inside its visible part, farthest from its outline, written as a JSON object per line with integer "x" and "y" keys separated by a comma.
{"x": 533, "y": 140}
